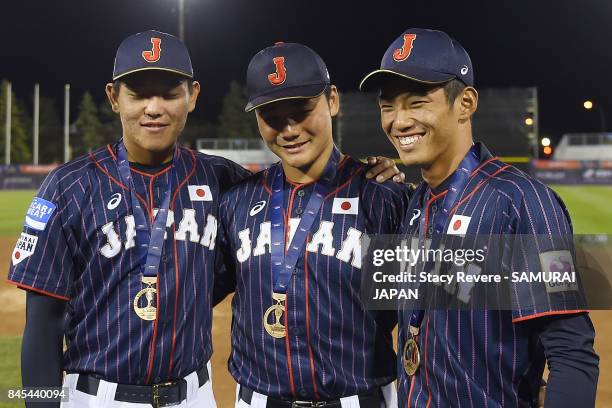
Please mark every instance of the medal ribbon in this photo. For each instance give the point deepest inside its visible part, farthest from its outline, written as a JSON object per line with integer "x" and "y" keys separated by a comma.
{"x": 283, "y": 263}
{"x": 458, "y": 181}
{"x": 149, "y": 242}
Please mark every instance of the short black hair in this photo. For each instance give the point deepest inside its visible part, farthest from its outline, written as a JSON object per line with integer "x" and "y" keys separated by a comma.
{"x": 452, "y": 89}
{"x": 327, "y": 92}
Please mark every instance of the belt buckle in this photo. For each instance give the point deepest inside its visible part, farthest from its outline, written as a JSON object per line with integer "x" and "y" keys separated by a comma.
{"x": 156, "y": 388}
{"x": 308, "y": 404}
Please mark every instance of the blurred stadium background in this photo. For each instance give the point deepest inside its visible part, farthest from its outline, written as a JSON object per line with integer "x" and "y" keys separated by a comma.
{"x": 577, "y": 166}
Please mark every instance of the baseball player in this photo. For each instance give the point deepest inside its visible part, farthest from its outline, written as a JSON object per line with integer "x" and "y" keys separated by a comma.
{"x": 121, "y": 244}
{"x": 454, "y": 358}
{"x": 301, "y": 337}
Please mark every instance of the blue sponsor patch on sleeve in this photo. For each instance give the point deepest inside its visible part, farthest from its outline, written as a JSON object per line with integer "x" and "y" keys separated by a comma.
{"x": 39, "y": 213}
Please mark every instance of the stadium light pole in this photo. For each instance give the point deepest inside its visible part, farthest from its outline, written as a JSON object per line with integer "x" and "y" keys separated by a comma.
{"x": 181, "y": 19}
{"x": 589, "y": 105}
{"x": 7, "y": 131}
{"x": 35, "y": 131}
{"x": 532, "y": 121}
{"x": 66, "y": 123}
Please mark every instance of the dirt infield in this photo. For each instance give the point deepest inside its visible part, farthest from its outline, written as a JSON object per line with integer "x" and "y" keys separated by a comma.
{"x": 12, "y": 314}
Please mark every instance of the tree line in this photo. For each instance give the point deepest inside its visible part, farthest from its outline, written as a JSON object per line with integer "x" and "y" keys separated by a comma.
{"x": 93, "y": 125}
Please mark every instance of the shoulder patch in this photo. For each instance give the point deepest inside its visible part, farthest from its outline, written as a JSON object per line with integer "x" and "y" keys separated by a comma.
{"x": 39, "y": 213}
{"x": 559, "y": 266}
{"x": 26, "y": 244}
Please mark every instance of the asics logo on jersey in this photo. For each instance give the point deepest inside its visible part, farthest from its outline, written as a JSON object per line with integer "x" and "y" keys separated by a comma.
{"x": 114, "y": 201}
{"x": 257, "y": 208}
{"x": 415, "y": 216}
{"x": 401, "y": 54}
{"x": 188, "y": 230}
{"x": 278, "y": 77}
{"x": 154, "y": 53}
{"x": 322, "y": 241}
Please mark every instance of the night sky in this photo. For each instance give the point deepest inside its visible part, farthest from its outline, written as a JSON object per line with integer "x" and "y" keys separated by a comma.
{"x": 562, "y": 47}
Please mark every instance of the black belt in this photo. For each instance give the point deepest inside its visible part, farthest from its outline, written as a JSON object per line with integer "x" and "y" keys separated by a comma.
{"x": 370, "y": 400}
{"x": 158, "y": 395}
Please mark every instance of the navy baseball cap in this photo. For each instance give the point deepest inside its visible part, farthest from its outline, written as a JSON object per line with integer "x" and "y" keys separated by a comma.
{"x": 285, "y": 71}
{"x": 152, "y": 50}
{"x": 425, "y": 56}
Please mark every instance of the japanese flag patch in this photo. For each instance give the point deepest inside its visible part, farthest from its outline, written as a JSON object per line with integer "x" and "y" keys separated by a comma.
{"x": 346, "y": 206}
{"x": 200, "y": 193}
{"x": 26, "y": 244}
{"x": 39, "y": 213}
{"x": 458, "y": 225}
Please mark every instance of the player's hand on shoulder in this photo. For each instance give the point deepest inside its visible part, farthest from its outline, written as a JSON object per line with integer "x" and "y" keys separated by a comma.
{"x": 383, "y": 168}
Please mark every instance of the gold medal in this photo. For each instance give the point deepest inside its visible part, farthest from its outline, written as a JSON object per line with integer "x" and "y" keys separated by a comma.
{"x": 276, "y": 329}
{"x": 148, "y": 312}
{"x": 411, "y": 359}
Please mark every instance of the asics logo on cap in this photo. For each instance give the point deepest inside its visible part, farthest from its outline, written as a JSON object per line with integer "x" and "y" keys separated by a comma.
{"x": 401, "y": 54}
{"x": 154, "y": 53}
{"x": 278, "y": 77}
{"x": 464, "y": 70}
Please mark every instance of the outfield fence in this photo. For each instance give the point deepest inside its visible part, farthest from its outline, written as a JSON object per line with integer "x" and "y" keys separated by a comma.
{"x": 23, "y": 176}
{"x": 572, "y": 171}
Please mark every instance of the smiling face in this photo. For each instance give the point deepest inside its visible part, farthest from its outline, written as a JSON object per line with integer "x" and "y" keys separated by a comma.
{"x": 299, "y": 131}
{"x": 418, "y": 120}
{"x": 153, "y": 106}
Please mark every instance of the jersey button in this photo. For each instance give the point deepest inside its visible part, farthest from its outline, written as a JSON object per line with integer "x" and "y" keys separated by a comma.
{"x": 164, "y": 259}
{"x": 434, "y": 208}
{"x": 299, "y": 210}
{"x": 300, "y": 193}
{"x": 303, "y": 393}
{"x": 157, "y": 380}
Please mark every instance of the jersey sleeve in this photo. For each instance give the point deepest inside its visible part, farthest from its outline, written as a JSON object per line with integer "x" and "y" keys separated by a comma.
{"x": 231, "y": 174}
{"x": 225, "y": 275}
{"x": 543, "y": 260}
{"x": 385, "y": 205}
{"x": 42, "y": 260}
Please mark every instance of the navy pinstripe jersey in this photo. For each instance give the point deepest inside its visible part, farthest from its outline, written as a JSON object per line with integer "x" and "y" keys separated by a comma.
{"x": 488, "y": 357}
{"x": 334, "y": 346}
{"x": 86, "y": 254}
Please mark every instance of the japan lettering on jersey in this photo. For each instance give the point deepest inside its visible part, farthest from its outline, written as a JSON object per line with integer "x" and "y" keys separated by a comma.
{"x": 483, "y": 358}
{"x": 334, "y": 346}
{"x": 79, "y": 244}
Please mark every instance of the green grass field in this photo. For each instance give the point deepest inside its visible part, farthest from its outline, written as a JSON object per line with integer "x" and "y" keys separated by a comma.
{"x": 14, "y": 206}
{"x": 10, "y": 373}
{"x": 589, "y": 207}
